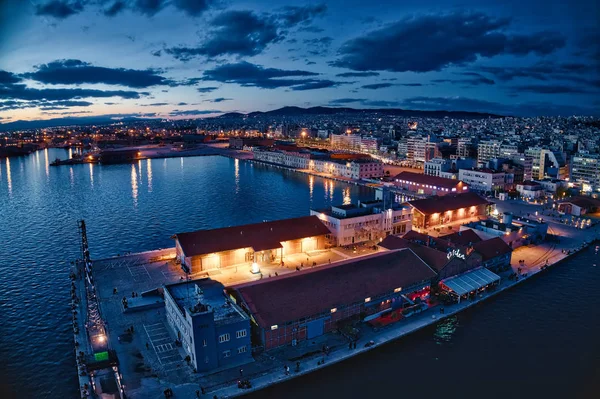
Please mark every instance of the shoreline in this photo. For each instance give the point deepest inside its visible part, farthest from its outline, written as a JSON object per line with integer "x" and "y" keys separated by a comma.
{"x": 393, "y": 332}
{"x": 421, "y": 322}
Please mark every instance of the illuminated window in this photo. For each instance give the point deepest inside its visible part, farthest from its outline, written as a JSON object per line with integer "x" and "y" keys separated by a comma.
{"x": 240, "y": 333}
{"x": 398, "y": 289}
{"x": 224, "y": 338}
{"x": 274, "y": 327}
{"x": 333, "y": 310}
{"x": 368, "y": 299}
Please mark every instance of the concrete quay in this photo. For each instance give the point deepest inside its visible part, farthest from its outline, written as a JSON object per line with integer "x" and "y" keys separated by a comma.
{"x": 150, "y": 361}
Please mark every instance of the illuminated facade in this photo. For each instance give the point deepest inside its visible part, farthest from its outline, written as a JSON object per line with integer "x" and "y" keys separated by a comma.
{"x": 434, "y": 211}
{"x": 357, "y": 168}
{"x": 260, "y": 243}
{"x": 365, "y": 221}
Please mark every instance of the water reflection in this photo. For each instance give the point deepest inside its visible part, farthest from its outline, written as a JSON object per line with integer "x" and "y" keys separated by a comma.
{"x": 8, "y": 176}
{"x": 91, "y": 165}
{"x": 149, "y": 173}
{"x": 236, "y": 168}
{"x": 47, "y": 164}
{"x": 71, "y": 176}
{"x": 134, "y": 185}
{"x": 70, "y": 153}
{"x": 347, "y": 199}
{"x": 444, "y": 330}
{"x": 140, "y": 170}
{"x": 311, "y": 185}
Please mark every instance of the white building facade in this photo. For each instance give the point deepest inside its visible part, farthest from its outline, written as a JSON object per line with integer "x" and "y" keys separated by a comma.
{"x": 483, "y": 179}
{"x": 353, "y": 224}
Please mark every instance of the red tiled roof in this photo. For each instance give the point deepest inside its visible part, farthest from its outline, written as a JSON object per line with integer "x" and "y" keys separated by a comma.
{"x": 266, "y": 235}
{"x": 433, "y": 205}
{"x": 489, "y": 249}
{"x": 465, "y": 237}
{"x": 435, "y": 258}
{"x": 420, "y": 178}
{"x": 282, "y": 299}
{"x": 583, "y": 202}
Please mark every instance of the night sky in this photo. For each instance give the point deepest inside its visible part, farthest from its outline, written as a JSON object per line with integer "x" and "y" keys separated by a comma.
{"x": 192, "y": 58}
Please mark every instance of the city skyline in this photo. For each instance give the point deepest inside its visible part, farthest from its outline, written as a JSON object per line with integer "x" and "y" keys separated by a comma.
{"x": 185, "y": 59}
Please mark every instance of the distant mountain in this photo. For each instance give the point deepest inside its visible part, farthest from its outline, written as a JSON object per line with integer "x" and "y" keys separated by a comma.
{"x": 68, "y": 121}
{"x": 280, "y": 112}
{"x": 298, "y": 111}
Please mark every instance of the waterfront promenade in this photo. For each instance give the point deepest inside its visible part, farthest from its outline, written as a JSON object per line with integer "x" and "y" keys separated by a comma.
{"x": 148, "y": 367}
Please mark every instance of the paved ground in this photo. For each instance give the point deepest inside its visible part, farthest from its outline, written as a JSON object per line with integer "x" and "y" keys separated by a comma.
{"x": 149, "y": 359}
{"x": 150, "y": 362}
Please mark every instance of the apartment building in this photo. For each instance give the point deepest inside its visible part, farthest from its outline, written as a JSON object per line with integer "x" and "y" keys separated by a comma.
{"x": 365, "y": 221}
{"x": 483, "y": 179}
{"x": 585, "y": 169}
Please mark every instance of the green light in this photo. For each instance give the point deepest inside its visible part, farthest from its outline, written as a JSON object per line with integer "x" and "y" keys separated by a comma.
{"x": 100, "y": 356}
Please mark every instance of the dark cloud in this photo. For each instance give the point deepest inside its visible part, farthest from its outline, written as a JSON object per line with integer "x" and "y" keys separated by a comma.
{"x": 342, "y": 101}
{"x": 246, "y": 33}
{"x": 42, "y": 104}
{"x": 115, "y": 8}
{"x": 476, "y": 105}
{"x": 311, "y": 29}
{"x": 181, "y": 103}
{"x": 153, "y": 105}
{"x": 474, "y": 79}
{"x": 432, "y": 42}
{"x": 177, "y": 112}
{"x": 22, "y": 92}
{"x": 250, "y": 75}
{"x": 310, "y": 63}
{"x": 318, "y": 46}
{"x": 233, "y": 32}
{"x": 380, "y": 103}
{"x": 65, "y": 8}
{"x": 8, "y": 77}
{"x": 542, "y": 43}
{"x": 219, "y": 100}
{"x": 67, "y": 113}
{"x": 552, "y": 89}
{"x": 59, "y": 9}
{"x": 293, "y": 15}
{"x": 316, "y": 84}
{"x": 579, "y": 73}
{"x": 148, "y": 7}
{"x": 156, "y": 53}
{"x": 78, "y": 72}
{"x": 193, "y": 7}
{"x": 410, "y": 84}
{"x": 357, "y": 74}
{"x": 207, "y": 89}
{"x": 376, "y": 86}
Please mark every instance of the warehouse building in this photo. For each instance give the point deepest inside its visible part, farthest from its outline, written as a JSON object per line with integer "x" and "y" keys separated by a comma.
{"x": 213, "y": 331}
{"x": 310, "y": 303}
{"x": 254, "y": 244}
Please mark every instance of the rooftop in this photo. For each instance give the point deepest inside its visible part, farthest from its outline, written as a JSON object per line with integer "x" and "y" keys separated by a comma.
{"x": 361, "y": 208}
{"x": 259, "y": 236}
{"x": 205, "y": 295}
{"x": 286, "y": 298}
{"x": 420, "y": 178}
{"x": 447, "y": 203}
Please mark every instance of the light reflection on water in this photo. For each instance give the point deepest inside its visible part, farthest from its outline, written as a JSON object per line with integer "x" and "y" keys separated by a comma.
{"x": 444, "y": 330}
{"x": 38, "y": 212}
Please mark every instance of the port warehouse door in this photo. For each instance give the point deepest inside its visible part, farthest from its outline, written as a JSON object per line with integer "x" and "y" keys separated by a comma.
{"x": 292, "y": 247}
{"x": 209, "y": 262}
{"x": 315, "y": 328}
